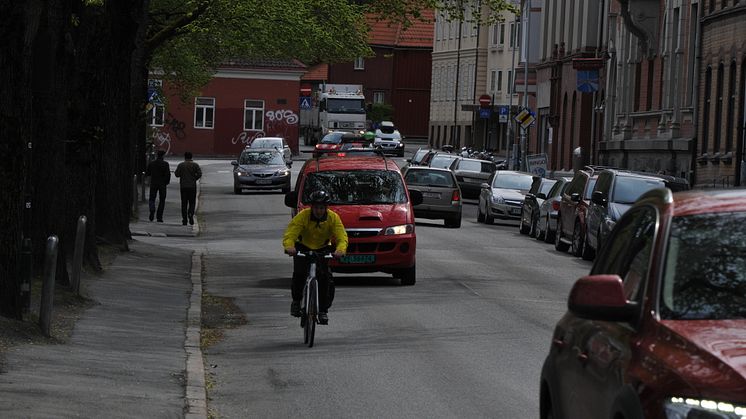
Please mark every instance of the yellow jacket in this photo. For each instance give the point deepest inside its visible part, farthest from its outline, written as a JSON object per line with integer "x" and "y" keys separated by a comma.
{"x": 315, "y": 235}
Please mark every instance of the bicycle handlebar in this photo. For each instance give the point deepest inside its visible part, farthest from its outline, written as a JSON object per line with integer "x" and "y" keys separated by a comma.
{"x": 326, "y": 255}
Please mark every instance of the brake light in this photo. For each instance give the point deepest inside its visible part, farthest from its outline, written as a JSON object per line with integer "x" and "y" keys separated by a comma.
{"x": 341, "y": 154}
{"x": 456, "y": 196}
{"x": 556, "y": 205}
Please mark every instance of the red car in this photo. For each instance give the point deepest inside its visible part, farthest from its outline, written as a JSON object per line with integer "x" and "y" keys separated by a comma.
{"x": 658, "y": 328}
{"x": 369, "y": 194}
{"x": 571, "y": 215}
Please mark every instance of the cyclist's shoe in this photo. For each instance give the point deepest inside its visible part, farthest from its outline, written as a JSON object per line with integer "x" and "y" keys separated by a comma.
{"x": 323, "y": 318}
{"x": 295, "y": 309}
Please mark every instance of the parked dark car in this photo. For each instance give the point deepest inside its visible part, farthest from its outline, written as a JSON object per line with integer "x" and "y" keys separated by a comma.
{"x": 615, "y": 191}
{"x": 658, "y": 328}
{"x": 441, "y": 196}
{"x": 540, "y": 187}
{"x": 548, "y": 210}
{"x": 259, "y": 168}
{"x": 572, "y": 212}
{"x": 471, "y": 174}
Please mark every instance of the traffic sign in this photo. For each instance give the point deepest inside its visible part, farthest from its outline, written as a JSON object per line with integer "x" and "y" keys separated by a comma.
{"x": 503, "y": 114}
{"x": 525, "y": 118}
{"x": 588, "y": 81}
{"x": 305, "y": 102}
{"x": 485, "y": 113}
{"x": 485, "y": 100}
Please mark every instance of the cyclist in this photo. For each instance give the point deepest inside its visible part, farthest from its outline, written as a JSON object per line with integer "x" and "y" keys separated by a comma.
{"x": 313, "y": 229}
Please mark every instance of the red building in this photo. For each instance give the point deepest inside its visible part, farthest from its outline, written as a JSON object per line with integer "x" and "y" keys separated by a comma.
{"x": 243, "y": 101}
{"x": 399, "y": 74}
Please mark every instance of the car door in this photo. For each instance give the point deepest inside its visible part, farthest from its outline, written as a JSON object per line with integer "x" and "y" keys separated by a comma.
{"x": 596, "y": 212}
{"x": 605, "y": 349}
{"x": 567, "y": 206}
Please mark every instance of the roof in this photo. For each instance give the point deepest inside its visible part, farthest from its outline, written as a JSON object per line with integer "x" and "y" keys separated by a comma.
{"x": 703, "y": 202}
{"x": 353, "y": 163}
{"x": 318, "y": 72}
{"x": 418, "y": 35}
{"x": 276, "y": 64}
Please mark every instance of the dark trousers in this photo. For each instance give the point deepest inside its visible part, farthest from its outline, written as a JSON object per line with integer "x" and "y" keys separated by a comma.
{"x": 188, "y": 200}
{"x": 323, "y": 276}
{"x": 160, "y": 191}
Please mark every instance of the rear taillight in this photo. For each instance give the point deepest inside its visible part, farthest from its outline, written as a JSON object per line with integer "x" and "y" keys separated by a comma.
{"x": 555, "y": 205}
{"x": 341, "y": 154}
{"x": 456, "y": 196}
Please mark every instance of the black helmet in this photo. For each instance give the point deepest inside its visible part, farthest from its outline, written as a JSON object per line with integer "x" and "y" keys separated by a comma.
{"x": 319, "y": 197}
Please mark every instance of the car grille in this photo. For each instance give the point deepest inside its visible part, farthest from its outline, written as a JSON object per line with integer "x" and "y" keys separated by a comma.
{"x": 359, "y": 234}
{"x": 262, "y": 174}
{"x": 370, "y": 247}
{"x": 518, "y": 204}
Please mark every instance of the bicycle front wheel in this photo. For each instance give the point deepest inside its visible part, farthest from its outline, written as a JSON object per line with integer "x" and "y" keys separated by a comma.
{"x": 312, "y": 312}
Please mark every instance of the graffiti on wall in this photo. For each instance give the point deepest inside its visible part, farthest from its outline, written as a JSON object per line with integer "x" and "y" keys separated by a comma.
{"x": 161, "y": 140}
{"x": 278, "y": 122}
{"x": 176, "y": 126}
{"x": 246, "y": 137}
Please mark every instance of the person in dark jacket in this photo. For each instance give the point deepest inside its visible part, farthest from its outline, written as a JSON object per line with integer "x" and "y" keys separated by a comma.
{"x": 160, "y": 176}
{"x": 188, "y": 172}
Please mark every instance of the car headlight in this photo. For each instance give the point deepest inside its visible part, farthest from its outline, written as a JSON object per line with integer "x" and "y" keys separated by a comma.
{"x": 682, "y": 408}
{"x": 282, "y": 173}
{"x": 241, "y": 173}
{"x": 497, "y": 199}
{"x": 402, "y": 229}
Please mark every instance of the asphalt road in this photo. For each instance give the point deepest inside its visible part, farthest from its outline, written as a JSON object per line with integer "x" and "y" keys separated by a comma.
{"x": 467, "y": 340}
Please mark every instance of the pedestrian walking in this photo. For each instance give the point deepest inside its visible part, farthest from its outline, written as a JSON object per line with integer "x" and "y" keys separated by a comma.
{"x": 188, "y": 173}
{"x": 160, "y": 176}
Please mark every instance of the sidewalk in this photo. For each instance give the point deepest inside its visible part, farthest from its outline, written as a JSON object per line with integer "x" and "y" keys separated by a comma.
{"x": 171, "y": 225}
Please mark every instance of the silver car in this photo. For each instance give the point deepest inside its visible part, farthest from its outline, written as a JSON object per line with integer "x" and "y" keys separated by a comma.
{"x": 277, "y": 143}
{"x": 503, "y": 196}
{"x": 546, "y": 225}
{"x": 441, "y": 195}
{"x": 258, "y": 168}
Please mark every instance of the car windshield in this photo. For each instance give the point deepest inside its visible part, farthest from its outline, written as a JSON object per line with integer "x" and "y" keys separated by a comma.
{"x": 705, "y": 268}
{"x": 266, "y": 143}
{"x": 546, "y": 186}
{"x": 628, "y": 189}
{"x": 345, "y": 106}
{"x": 429, "y": 178}
{"x": 387, "y": 129}
{"x": 589, "y": 188}
{"x": 357, "y": 187}
{"x": 512, "y": 181}
{"x": 332, "y": 138}
{"x": 476, "y": 166}
{"x": 442, "y": 162}
{"x": 251, "y": 157}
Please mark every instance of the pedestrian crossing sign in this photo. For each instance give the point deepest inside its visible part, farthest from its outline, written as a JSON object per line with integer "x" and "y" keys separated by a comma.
{"x": 305, "y": 102}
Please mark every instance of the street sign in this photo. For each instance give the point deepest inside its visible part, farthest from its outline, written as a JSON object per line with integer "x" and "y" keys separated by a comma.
{"x": 305, "y": 102}
{"x": 525, "y": 118}
{"x": 485, "y": 113}
{"x": 587, "y": 81}
{"x": 305, "y": 90}
{"x": 537, "y": 164}
{"x": 485, "y": 100}
{"x": 503, "y": 118}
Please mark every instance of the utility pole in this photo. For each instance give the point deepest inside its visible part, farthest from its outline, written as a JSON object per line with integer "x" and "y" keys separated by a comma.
{"x": 527, "y": 31}
{"x": 511, "y": 85}
{"x": 454, "y": 130}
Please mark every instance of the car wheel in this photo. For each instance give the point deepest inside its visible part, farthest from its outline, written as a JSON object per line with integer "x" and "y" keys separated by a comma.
{"x": 408, "y": 276}
{"x": 453, "y": 222}
{"x": 558, "y": 243}
{"x": 577, "y": 240}
{"x": 480, "y": 214}
{"x": 539, "y": 232}
{"x": 588, "y": 251}
{"x": 523, "y": 229}
{"x": 532, "y": 232}
{"x": 236, "y": 190}
{"x": 548, "y": 234}
{"x": 286, "y": 189}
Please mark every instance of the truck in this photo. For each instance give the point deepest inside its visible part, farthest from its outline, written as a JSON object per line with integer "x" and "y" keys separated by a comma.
{"x": 335, "y": 107}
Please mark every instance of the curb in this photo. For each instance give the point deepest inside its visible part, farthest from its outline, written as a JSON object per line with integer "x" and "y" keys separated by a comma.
{"x": 195, "y": 226}
{"x": 196, "y": 395}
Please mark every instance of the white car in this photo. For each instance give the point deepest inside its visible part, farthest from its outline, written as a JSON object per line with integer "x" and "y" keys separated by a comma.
{"x": 388, "y": 139}
{"x": 277, "y": 143}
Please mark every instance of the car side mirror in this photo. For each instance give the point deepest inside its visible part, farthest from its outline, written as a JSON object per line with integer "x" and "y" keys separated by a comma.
{"x": 409, "y": 160}
{"x": 291, "y": 199}
{"x": 529, "y": 195}
{"x": 289, "y": 164}
{"x": 541, "y": 195}
{"x": 485, "y": 186}
{"x": 415, "y": 196}
{"x": 601, "y": 297}
{"x": 599, "y": 198}
{"x": 575, "y": 197}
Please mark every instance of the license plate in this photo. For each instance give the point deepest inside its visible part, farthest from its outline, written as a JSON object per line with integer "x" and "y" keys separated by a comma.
{"x": 431, "y": 195}
{"x": 358, "y": 259}
{"x": 263, "y": 182}
{"x": 515, "y": 211}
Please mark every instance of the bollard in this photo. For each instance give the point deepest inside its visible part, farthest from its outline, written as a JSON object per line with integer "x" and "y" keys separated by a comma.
{"x": 47, "y": 288}
{"x": 142, "y": 196}
{"x": 27, "y": 263}
{"x": 78, "y": 254}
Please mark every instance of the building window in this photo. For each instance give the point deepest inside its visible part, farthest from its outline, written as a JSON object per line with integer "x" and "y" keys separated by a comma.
{"x": 493, "y": 80}
{"x": 359, "y": 63}
{"x": 495, "y": 37}
{"x": 693, "y": 29}
{"x": 718, "y": 110}
{"x": 649, "y": 88}
{"x": 253, "y": 115}
{"x": 510, "y": 82}
{"x": 499, "y": 80}
{"x": 706, "y": 112}
{"x": 379, "y": 97}
{"x": 502, "y": 34}
{"x": 731, "y": 108}
{"x": 515, "y": 35}
{"x": 204, "y": 112}
{"x": 155, "y": 116}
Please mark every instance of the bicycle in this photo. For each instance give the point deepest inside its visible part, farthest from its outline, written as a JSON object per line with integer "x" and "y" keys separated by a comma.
{"x": 310, "y": 304}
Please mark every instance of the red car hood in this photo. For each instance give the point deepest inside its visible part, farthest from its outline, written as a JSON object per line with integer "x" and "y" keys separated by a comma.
{"x": 715, "y": 356}
{"x": 370, "y": 216}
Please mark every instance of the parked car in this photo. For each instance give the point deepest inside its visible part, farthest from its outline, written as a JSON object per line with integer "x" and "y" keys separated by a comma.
{"x": 441, "y": 195}
{"x": 370, "y": 196}
{"x": 657, "y": 330}
{"x": 548, "y": 210}
{"x": 442, "y": 160}
{"x": 503, "y": 196}
{"x": 536, "y": 195}
{"x": 259, "y": 168}
{"x": 388, "y": 139}
{"x": 572, "y": 212}
{"x": 471, "y": 174}
{"x": 277, "y": 143}
{"x": 615, "y": 191}
{"x": 418, "y": 156}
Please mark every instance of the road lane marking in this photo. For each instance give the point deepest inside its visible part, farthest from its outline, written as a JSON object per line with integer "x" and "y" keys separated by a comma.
{"x": 469, "y": 288}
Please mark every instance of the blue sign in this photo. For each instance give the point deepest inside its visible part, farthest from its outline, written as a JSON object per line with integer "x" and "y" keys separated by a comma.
{"x": 503, "y": 114}
{"x": 485, "y": 113}
{"x": 152, "y": 93}
{"x": 305, "y": 102}
{"x": 588, "y": 81}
